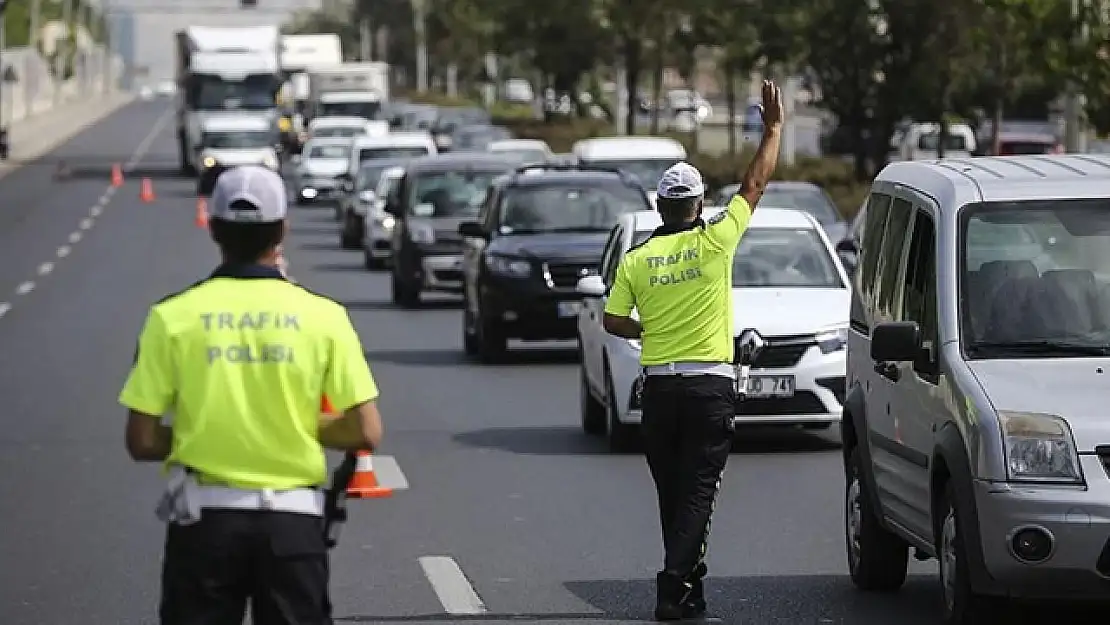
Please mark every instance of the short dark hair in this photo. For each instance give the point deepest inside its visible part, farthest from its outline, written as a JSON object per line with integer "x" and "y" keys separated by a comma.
{"x": 674, "y": 210}
{"x": 245, "y": 242}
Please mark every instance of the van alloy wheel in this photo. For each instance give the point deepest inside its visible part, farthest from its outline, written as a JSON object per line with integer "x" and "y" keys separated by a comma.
{"x": 949, "y": 559}
{"x": 853, "y": 521}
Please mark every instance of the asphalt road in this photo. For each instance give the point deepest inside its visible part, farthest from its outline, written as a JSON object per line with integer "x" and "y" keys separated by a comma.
{"x": 541, "y": 522}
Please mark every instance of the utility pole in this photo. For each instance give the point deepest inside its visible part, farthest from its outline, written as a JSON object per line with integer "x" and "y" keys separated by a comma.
{"x": 418, "y": 20}
{"x": 29, "y": 87}
{"x": 365, "y": 39}
{"x": 109, "y": 40}
{"x": 1073, "y": 138}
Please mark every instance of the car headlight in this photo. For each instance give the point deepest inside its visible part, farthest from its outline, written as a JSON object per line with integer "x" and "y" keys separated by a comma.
{"x": 508, "y": 266}
{"x": 422, "y": 234}
{"x": 1039, "y": 448}
{"x": 387, "y": 222}
{"x": 271, "y": 161}
{"x": 831, "y": 340}
{"x": 208, "y": 162}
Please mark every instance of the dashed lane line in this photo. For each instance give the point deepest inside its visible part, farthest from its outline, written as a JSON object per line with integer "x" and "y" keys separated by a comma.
{"x": 4, "y": 308}
{"x": 25, "y": 288}
{"x": 46, "y": 268}
{"x": 63, "y": 251}
{"x": 452, "y": 587}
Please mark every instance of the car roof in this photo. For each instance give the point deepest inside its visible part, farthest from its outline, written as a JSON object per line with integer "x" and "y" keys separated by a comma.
{"x": 796, "y": 185}
{"x": 393, "y": 138}
{"x": 340, "y": 141}
{"x": 601, "y": 148}
{"x": 454, "y": 161}
{"x": 955, "y": 182}
{"x": 236, "y": 122}
{"x": 539, "y": 176}
{"x": 765, "y": 217}
{"x": 379, "y": 163}
{"x": 518, "y": 144}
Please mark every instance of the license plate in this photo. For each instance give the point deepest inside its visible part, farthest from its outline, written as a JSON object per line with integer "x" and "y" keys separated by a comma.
{"x": 771, "y": 386}
{"x": 569, "y": 309}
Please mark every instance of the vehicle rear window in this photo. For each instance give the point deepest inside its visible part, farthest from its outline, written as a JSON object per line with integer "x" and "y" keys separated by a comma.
{"x": 369, "y": 154}
{"x": 568, "y": 207}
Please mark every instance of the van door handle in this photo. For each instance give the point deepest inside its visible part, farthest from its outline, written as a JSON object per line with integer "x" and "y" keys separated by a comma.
{"x": 888, "y": 370}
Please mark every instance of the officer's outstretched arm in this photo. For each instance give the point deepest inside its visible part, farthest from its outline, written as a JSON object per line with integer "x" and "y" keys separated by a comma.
{"x": 766, "y": 157}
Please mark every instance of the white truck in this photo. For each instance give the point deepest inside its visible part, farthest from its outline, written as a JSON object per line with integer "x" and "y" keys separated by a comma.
{"x": 301, "y": 54}
{"x": 349, "y": 89}
{"x": 222, "y": 69}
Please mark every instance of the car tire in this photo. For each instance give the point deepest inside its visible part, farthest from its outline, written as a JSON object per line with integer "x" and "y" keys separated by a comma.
{"x": 960, "y": 604}
{"x": 878, "y": 560}
{"x": 593, "y": 411}
{"x": 403, "y": 295}
{"x": 348, "y": 239}
{"x": 493, "y": 345}
{"x": 370, "y": 262}
{"x": 622, "y": 436}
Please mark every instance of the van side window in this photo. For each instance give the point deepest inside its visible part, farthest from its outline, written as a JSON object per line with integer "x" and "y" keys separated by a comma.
{"x": 919, "y": 298}
{"x": 890, "y": 258}
{"x": 875, "y": 220}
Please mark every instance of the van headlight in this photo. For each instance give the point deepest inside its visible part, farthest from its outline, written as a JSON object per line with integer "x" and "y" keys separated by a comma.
{"x": 1039, "y": 448}
{"x": 270, "y": 160}
{"x": 506, "y": 266}
{"x": 208, "y": 162}
{"x": 833, "y": 339}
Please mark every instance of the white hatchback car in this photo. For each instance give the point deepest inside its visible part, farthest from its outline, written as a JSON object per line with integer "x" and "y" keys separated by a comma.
{"x": 788, "y": 285}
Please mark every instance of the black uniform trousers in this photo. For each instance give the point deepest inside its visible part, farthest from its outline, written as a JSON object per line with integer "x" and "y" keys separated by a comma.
{"x": 687, "y": 429}
{"x": 276, "y": 561}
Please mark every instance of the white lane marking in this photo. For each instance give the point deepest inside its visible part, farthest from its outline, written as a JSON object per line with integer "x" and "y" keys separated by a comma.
{"x": 389, "y": 473}
{"x": 4, "y": 308}
{"x": 96, "y": 210}
{"x": 74, "y": 237}
{"x": 107, "y": 197}
{"x": 86, "y": 224}
{"x": 63, "y": 251}
{"x": 46, "y": 268}
{"x": 451, "y": 586}
{"x": 148, "y": 140}
{"x": 25, "y": 288}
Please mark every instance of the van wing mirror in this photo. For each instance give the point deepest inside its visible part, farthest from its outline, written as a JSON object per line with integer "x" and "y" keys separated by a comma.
{"x": 896, "y": 341}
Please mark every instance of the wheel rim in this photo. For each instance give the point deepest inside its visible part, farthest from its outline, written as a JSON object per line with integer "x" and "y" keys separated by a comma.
{"x": 853, "y": 522}
{"x": 948, "y": 559}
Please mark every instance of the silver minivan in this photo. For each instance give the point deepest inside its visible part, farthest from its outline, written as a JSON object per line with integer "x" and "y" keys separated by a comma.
{"x": 977, "y": 419}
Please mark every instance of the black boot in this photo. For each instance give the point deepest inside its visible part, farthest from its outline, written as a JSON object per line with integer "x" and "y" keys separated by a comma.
{"x": 671, "y": 595}
{"x": 694, "y": 606}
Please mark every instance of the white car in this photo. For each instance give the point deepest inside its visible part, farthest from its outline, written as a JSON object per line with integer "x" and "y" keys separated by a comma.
{"x": 377, "y": 230}
{"x": 235, "y": 139}
{"x": 788, "y": 285}
{"x": 345, "y": 127}
{"x": 530, "y": 150}
{"x": 319, "y": 168}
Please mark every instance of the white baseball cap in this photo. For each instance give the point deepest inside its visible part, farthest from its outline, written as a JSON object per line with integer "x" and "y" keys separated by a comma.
{"x": 258, "y": 186}
{"x": 681, "y": 181}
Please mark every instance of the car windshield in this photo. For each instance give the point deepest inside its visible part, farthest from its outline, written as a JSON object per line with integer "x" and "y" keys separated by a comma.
{"x": 238, "y": 139}
{"x": 648, "y": 171}
{"x": 568, "y": 207}
{"x": 449, "y": 193}
{"x": 1036, "y": 278}
{"x": 368, "y": 177}
{"x": 213, "y": 93}
{"x": 952, "y": 142}
{"x": 784, "y": 258}
{"x": 329, "y": 151}
{"x": 338, "y": 131}
{"x": 811, "y": 200}
{"x": 392, "y": 151}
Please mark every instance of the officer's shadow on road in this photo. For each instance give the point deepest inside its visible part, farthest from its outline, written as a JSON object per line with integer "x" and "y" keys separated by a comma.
{"x": 572, "y": 441}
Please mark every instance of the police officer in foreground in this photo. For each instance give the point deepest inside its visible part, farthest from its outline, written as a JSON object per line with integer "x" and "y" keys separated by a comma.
{"x": 680, "y": 282}
{"x": 241, "y": 360}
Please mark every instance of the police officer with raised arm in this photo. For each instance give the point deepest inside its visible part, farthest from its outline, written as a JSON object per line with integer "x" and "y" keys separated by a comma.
{"x": 680, "y": 283}
{"x": 241, "y": 361}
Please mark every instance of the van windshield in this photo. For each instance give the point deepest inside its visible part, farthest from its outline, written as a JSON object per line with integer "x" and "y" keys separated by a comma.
{"x": 647, "y": 170}
{"x": 241, "y": 139}
{"x": 1036, "y": 278}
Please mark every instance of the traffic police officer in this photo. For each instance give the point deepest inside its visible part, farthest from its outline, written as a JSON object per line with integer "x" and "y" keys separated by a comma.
{"x": 241, "y": 360}
{"x": 680, "y": 283}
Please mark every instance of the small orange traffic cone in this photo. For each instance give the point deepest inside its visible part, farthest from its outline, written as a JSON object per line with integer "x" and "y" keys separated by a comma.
{"x": 364, "y": 484}
{"x": 146, "y": 191}
{"x": 117, "y": 175}
{"x": 201, "y": 217}
{"x": 325, "y": 406}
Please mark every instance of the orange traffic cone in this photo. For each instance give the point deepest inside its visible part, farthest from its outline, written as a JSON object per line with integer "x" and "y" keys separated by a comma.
{"x": 117, "y": 175}
{"x": 201, "y": 218}
{"x": 146, "y": 191}
{"x": 364, "y": 484}
{"x": 325, "y": 406}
